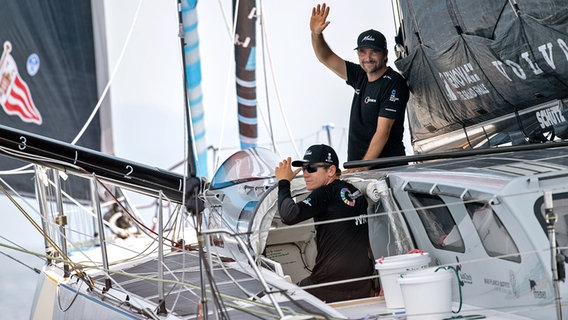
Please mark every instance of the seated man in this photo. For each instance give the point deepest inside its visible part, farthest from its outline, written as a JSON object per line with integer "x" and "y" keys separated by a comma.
{"x": 343, "y": 246}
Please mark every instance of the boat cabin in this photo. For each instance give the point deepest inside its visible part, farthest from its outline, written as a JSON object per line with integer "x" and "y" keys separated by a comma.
{"x": 485, "y": 216}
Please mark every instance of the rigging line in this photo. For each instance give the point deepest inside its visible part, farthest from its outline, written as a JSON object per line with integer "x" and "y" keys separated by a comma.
{"x": 230, "y": 276}
{"x": 150, "y": 278}
{"x": 56, "y": 229}
{"x": 275, "y": 82}
{"x": 241, "y": 244}
{"x": 243, "y": 266}
{"x": 22, "y": 155}
{"x": 231, "y": 63}
{"x": 79, "y": 205}
{"x": 144, "y": 228}
{"x": 375, "y": 215}
{"x": 178, "y": 295}
{"x": 263, "y": 38}
{"x": 37, "y": 254}
{"x": 229, "y": 29}
{"x": 224, "y": 116}
{"x": 36, "y": 270}
{"x": 126, "y": 210}
{"x": 72, "y": 301}
{"x": 108, "y": 296}
{"x": 113, "y": 74}
{"x": 216, "y": 293}
{"x": 30, "y": 219}
{"x": 14, "y": 172}
{"x": 19, "y": 196}
{"x": 77, "y": 270}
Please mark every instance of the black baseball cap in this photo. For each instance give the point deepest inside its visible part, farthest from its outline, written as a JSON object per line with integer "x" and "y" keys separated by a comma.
{"x": 318, "y": 153}
{"x": 372, "y": 39}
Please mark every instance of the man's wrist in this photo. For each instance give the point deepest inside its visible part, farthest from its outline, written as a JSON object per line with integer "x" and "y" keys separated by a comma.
{"x": 283, "y": 183}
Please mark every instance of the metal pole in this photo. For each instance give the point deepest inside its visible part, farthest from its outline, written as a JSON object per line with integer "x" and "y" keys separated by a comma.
{"x": 327, "y": 129}
{"x": 61, "y": 220}
{"x": 161, "y": 300}
{"x": 97, "y": 210}
{"x": 42, "y": 202}
{"x": 551, "y": 219}
{"x": 253, "y": 266}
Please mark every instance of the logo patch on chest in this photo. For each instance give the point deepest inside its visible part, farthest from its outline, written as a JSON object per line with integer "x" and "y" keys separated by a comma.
{"x": 349, "y": 198}
{"x": 369, "y": 100}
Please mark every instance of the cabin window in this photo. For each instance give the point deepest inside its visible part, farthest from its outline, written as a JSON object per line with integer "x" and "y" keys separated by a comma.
{"x": 560, "y": 208}
{"x": 494, "y": 236}
{"x": 438, "y": 222}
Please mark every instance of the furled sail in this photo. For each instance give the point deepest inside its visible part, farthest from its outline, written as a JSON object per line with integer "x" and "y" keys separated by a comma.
{"x": 483, "y": 73}
{"x": 48, "y": 76}
{"x": 244, "y": 11}
{"x": 193, "y": 87}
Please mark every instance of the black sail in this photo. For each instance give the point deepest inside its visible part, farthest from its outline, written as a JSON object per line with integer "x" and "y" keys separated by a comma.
{"x": 49, "y": 76}
{"x": 484, "y": 73}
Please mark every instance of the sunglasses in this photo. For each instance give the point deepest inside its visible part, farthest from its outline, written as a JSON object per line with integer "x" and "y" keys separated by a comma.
{"x": 313, "y": 167}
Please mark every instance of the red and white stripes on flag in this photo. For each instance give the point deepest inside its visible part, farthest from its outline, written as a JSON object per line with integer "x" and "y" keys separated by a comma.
{"x": 19, "y": 102}
{"x": 15, "y": 95}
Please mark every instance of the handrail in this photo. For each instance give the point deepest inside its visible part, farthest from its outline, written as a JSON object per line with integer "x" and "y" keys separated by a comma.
{"x": 404, "y": 160}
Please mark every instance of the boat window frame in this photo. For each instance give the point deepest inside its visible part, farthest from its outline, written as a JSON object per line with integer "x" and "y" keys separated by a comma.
{"x": 437, "y": 229}
{"x": 486, "y": 226}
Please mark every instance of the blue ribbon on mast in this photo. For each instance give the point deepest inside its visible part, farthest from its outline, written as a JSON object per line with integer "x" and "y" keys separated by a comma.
{"x": 193, "y": 84}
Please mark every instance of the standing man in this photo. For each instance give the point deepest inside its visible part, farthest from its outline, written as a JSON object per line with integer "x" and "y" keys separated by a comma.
{"x": 343, "y": 246}
{"x": 376, "y": 123}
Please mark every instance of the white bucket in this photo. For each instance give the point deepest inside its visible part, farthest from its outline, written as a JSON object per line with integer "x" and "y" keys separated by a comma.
{"x": 390, "y": 269}
{"x": 427, "y": 294}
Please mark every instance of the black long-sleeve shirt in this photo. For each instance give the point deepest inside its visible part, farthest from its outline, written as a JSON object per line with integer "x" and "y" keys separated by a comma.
{"x": 342, "y": 246}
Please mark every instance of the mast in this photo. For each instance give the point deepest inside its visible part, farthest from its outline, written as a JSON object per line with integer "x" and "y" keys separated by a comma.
{"x": 244, "y": 13}
{"x": 197, "y": 148}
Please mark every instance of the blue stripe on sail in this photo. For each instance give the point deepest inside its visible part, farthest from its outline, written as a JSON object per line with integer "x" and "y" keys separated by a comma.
{"x": 198, "y": 118}
{"x": 247, "y": 120}
{"x": 202, "y": 163}
{"x": 190, "y": 28}
{"x": 191, "y": 47}
{"x": 193, "y": 85}
{"x": 196, "y": 101}
{"x": 199, "y": 136}
{"x": 247, "y": 145}
{"x": 247, "y": 142}
{"x": 247, "y": 84}
{"x": 246, "y": 102}
{"x": 193, "y": 72}
{"x": 251, "y": 62}
{"x": 190, "y": 6}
